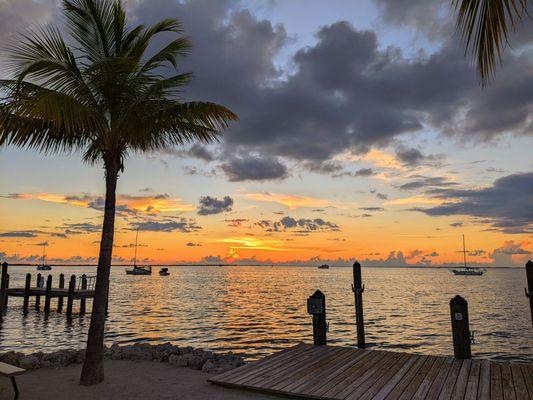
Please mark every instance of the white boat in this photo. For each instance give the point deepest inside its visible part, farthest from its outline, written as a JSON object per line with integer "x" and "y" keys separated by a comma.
{"x": 138, "y": 270}
{"x": 466, "y": 270}
{"x": 43, "y": 266}
{"x": 164, "y": 272}
{"x": 323, "y": 266}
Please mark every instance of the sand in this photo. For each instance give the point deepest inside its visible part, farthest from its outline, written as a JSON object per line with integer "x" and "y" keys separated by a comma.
{"x": 131, "y": 380}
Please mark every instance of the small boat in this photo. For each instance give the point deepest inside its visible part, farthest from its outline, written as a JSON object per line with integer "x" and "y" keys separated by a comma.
{"x": 468, "y": 271}
{"x": 43, "y": 266}
{"x": 138, "y": 270}
{"x": 164, "y": 272}
{"x": 323, "y": 266}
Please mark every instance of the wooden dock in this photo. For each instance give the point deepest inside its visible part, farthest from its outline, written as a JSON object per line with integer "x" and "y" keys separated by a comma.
{"x": 331, "y": 372}
{"x": 77, "y": 289}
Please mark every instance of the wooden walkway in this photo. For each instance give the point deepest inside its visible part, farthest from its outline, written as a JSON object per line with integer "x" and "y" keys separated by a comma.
{"x": 329, "y": 372}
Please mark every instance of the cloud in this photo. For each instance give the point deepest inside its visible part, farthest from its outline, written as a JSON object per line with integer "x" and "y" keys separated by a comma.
{"x": 510, "y": 253}
{"x": 19, "y": 234}
{"x": 126, "y": 204}
{"x": 364, "y": 172}
{"x": 427, "y": 182}
{"x": 372, "y": 209}
{"x": 195, "y": 151}
{"x": 236, "y": 222}
{"x": 456, "y": 224}
{"x": 210, "y": 205}
{"x": 382, "y": 196}
{"x": 181, "y": 225}
{"x": 254, "y": 168}
{"x": 191, "y": 244}
{"x": 288, "y": 200}
{"x": 77, "y": 228}
{"x": 506, "y": 204}
{"x": 301, "y": 225}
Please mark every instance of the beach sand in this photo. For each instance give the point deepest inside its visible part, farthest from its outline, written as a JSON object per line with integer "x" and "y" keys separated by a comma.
{"x": 128, "y": 380}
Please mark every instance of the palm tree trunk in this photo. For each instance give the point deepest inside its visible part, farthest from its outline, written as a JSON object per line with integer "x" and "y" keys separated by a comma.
{"x": 93, "y": 367}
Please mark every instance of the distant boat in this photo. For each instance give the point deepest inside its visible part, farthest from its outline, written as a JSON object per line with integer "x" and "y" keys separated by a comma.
{"x": 43, "y": 266}
{"x": 323, "y": 266}
{"x": 164, "y": 272}
{"x": 467, "y": 271}
{"x": 138, "y": 270}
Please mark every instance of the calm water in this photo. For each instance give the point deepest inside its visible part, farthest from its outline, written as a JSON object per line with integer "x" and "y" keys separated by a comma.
{"x": 257, "y": 310}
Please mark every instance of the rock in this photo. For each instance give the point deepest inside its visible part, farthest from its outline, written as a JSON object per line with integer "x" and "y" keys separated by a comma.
{"x": 29, "y": 362}
{"x": 222, "y": 363}
{"x": 11, "y": 357}
{"x": 59, "y": 359}
{"x": 177, "y": 360}
{"x": 162, "y": 352}
{"x": 80, "y": 356}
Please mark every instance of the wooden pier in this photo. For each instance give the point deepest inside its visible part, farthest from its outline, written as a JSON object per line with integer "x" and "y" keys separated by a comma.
{"x": 78, "y": 289}
{"x": 334, "y": 373}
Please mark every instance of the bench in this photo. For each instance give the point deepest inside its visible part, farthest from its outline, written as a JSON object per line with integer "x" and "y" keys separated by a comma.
{"x": 11, "y": 372}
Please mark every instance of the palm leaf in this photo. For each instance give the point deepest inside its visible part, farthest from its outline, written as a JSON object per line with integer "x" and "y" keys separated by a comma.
{"x": 484, "y": 26}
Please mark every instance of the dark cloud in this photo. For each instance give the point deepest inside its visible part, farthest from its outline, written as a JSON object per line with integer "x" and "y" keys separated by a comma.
{"x": 210, "y": 205}
{"x": 302, "y": 225}
{"x": 364, "y": 172}
{"x": 456, "y": 224}
{"x": 167, "y": 225}
{"x": 80, "y": 228}
{"x": 382, "y": 196}
{"x": 427, "y": 183}
{"x": 19, "y": 234}
{"x": 506, "y": 204}
{"x": 195, "y": 151}
{"x": 191, "y": 244}
{"x": 372, "y": 209}
{"x": 254, "y": 168}
{"x": 236, "y": 223}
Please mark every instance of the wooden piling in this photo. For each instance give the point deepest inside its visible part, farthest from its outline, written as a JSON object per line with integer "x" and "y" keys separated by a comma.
{"x": 529, "y": 290}
{"x": 70, "y": 298}
{"x": 3, "y": 294}
{"x": 316, "y": 306}
{"x": 460, "y": 328}
{"x": 48, "y": 293}
{"x": 83, "y": 287}
{"x": 38, "y": 298}
{"x": 358, "y": 288}
{"x": 6, "y": 299}
{"x": 27, "y": 287}
{"x": 60, "y": 298}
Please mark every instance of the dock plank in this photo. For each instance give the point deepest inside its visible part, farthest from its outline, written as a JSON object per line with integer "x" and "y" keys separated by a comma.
{"x": 335, "y": 373}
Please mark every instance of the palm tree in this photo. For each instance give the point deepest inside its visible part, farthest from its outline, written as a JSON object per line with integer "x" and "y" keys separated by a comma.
{"x": 484, "y": 26}
{"x": 106, "y": 98}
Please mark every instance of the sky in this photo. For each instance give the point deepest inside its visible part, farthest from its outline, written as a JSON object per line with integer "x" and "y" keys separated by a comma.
{"x": 363, "y": 134}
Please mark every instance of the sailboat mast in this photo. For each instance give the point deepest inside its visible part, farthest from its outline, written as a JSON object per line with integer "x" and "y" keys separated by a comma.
{"x": 136, "y": 240}
{"x": 464, "y": 250}
{"x": 44, "y": 249}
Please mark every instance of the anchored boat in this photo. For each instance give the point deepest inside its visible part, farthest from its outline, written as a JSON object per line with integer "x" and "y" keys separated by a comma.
{"x": 468, "y": 271}
{"x": 164, "y": 272}
{"x": 138, "y": 270}
{"x": 323, "y": 266}
{"x": 43, "y": 266}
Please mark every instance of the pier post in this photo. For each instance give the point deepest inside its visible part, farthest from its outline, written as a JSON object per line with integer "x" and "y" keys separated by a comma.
{"x": 83, "y": 301}
{"x": 27, "y": 288}
{"x": 460, "y": 328}
{"x": 529, "y": 290}
{"x": 6, "y": 298}
{"x": 37, "y": 297}
{"x": 358, "y": 288}
{"x": 3, "y": 289}
{"x": 60, "y": 298}
{"x": 316, "y": 306}
{"x": 48, "y": 294}
{"x": 70, "y": 298}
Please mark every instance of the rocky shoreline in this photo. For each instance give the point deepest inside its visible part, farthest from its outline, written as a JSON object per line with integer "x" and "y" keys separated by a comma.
{"x": 198, "y": 359}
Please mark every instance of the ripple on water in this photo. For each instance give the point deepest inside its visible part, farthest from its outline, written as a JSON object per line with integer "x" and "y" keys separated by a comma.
{"x": 259, "y": 310}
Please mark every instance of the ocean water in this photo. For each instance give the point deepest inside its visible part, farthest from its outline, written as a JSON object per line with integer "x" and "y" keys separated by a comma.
{"x": 255, "y": 311}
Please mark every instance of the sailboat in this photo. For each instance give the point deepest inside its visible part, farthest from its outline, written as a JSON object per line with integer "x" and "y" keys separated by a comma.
{"x": 138, "y": 270}
{"x": 468, "y": 271}
{"x": 43, "y": 266}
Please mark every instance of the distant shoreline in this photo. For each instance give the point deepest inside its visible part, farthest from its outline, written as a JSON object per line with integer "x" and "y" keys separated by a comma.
{"x": 257, "y": 265}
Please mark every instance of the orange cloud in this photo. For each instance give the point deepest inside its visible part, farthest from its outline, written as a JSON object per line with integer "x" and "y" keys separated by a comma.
{"x": 288, "y": 200}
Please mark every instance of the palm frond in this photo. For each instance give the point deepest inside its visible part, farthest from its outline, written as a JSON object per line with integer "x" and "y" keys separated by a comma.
{"x": 177, "y": 48}
{"x": 484, "y": 26}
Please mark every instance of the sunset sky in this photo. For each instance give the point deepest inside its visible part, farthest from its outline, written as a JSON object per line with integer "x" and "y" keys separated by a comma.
{"x": 363, "y": 134}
